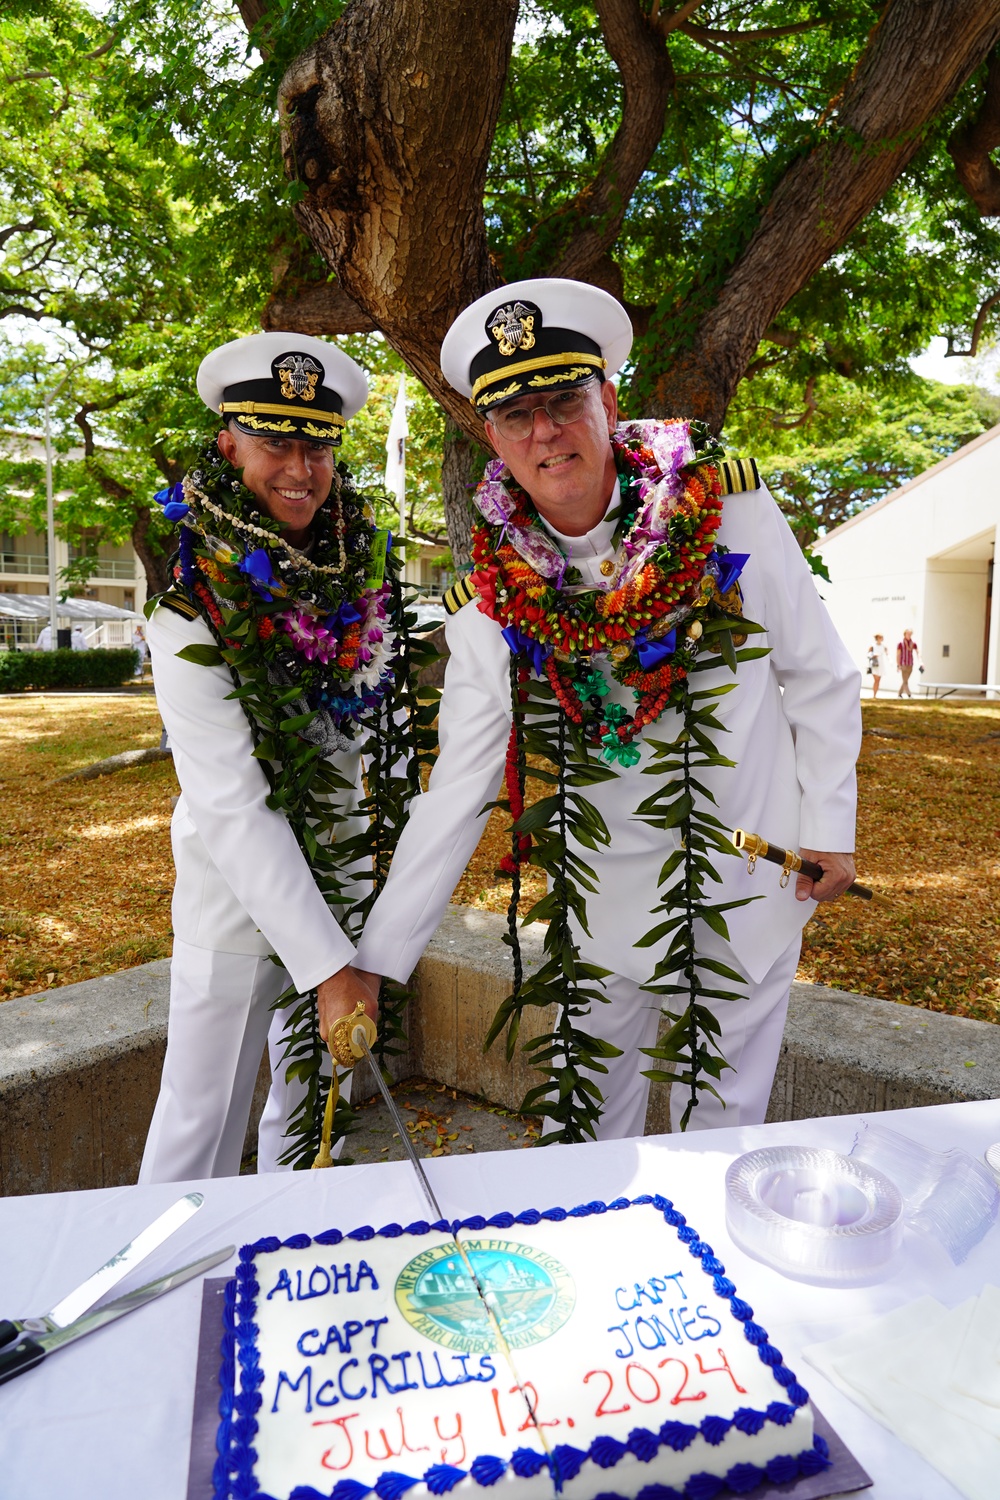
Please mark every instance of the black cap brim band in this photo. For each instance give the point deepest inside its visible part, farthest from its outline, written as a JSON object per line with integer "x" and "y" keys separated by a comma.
{"x": 261, "y": 408}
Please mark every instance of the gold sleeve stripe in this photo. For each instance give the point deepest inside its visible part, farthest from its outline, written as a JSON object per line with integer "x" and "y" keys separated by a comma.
{"x": 179, "y": 605}
{"x": 461, "y": 593}
{"x": 251, "y": 408}
{"x": 738, "y": 475}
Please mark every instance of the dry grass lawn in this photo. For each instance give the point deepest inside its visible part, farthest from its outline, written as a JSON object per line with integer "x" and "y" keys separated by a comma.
{"x": 85, "y": 868}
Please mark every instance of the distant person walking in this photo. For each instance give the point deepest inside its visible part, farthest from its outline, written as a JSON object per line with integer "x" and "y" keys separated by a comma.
{"x": 878, "y": 662}
{"x": 44, "y": 641}
{"x": 140, "y": 648}
{"x": 907, "y": 657}
{"x": 78, "y": 641}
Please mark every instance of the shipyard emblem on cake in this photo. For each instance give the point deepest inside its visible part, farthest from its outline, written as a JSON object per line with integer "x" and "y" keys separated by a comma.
{"x": 532, "y": 1292}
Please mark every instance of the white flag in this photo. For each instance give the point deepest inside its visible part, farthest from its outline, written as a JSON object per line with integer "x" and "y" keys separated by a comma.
{"x": 395, "y": 450}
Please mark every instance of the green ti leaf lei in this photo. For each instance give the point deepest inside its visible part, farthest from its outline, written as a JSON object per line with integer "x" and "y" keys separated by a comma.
{"x": 323, "y": 659}
{"x": 681, "y": 598}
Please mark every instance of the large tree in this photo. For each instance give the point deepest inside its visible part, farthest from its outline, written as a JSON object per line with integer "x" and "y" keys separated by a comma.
{"x": 784, "y": 191}
{"x": 741, "y": 173}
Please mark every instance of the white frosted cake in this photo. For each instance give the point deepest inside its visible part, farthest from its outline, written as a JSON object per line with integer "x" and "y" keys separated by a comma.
{"x": 367, "y": 1362}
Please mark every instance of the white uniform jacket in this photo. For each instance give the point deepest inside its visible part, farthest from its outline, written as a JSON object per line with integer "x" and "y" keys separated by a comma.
{"x": 243, "y": 884}
{"x": 794, "y": 731}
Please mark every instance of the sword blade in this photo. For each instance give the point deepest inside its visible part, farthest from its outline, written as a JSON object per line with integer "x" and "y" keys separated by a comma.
{"x": 400, "y": 1124}
{"x": 487, "y": 1298}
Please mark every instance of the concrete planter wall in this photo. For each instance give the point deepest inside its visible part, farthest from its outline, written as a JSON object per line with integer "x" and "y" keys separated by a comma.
{"x": 80, "y": 1065}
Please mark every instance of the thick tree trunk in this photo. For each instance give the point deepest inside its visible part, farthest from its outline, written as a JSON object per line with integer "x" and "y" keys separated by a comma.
{"x": 154, "y": 562}
{"x": 920, "y": 55}
{"x": 461, "y": 470}
{"x": 388, "y": 120}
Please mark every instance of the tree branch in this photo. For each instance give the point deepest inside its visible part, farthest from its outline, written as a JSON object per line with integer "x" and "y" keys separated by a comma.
{"x": 12, "y": 229}
{"x": 322, "y": 308}
{"x": 574, "y": 241}
{"x": 977, "y": 329}
{"x": 970, "y": 145}
{"x": 89, "y": 444}
{"x": 811, "y": 406}
{"x": 666, "y": 24}
{"x": 762, "y": 33}
{"x": 915, "y": 61}
{"x": 100, "y": 51}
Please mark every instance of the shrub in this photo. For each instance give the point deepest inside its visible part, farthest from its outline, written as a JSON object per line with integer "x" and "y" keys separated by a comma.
{"x": 21, "y": 671}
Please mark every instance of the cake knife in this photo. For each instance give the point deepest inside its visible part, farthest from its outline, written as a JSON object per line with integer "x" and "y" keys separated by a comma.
{"x": 28, "y": 1351}
{"x": 114, "y": 1270}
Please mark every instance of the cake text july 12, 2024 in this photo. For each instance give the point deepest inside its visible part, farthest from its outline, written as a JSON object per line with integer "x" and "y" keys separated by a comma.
{"x": 649, "y": 1362}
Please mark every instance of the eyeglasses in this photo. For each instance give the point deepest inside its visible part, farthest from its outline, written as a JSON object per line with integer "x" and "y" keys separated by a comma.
{"x": 517, "y": 422}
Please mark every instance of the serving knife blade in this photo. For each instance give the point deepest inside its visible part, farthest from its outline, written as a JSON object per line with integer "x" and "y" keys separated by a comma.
{"x": 29, "y": 1351}
{"x": 76, "y": 1303}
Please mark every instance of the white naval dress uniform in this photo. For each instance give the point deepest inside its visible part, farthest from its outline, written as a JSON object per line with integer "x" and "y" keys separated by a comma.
{"x": 243, "y": 891}
{"x": 794, "y": 731}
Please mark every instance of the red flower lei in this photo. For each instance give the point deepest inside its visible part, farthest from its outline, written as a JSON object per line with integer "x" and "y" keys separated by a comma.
{"x": 512, "y": 592}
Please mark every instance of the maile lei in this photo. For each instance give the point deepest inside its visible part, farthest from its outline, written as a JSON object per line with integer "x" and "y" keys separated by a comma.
{"x": 672, "y": 609}
{"x": 322, "y": 661}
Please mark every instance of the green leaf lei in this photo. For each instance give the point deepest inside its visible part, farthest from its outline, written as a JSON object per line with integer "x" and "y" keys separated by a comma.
{"x": 322, "y": 659}
{"x": 669, "y": 598}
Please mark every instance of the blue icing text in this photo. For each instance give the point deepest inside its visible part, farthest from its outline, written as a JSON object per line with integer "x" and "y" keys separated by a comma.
{"x": 319, "y": 1282}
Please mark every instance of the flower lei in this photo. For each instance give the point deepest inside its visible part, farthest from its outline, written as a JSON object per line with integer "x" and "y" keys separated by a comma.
{"x": 316, "y": 645}
{"x": 318, "y": 621}
{"x": 672, "y": 608}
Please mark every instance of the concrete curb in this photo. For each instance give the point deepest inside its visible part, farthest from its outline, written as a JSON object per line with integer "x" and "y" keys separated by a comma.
{"x": 80, "y": 1065}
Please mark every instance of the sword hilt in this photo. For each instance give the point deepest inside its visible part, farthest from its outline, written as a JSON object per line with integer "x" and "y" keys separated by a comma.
{"x": 346, "y": 1042}
{"x": 342, "y": 1041}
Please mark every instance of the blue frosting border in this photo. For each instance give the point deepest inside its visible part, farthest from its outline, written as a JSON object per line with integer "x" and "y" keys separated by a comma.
{"x": 233, "y": 1476}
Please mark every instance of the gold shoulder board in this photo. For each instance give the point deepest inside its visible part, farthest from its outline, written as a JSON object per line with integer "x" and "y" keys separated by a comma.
{"x": 738, "y": 475}
{"x": 461, "y": 593}
{"x": 179, "y": 604}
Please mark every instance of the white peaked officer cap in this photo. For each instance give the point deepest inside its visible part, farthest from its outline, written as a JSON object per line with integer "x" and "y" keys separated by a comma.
{"x": 283, "y": 385}
{"x": 534, "y": 336}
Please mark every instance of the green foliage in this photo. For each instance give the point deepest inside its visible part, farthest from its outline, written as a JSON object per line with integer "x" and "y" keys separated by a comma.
{"x": 24, "y": 671}
{"x": 143, "y": 168}
{"x": 683, "y": 976}
{"x": 850, "y": 447}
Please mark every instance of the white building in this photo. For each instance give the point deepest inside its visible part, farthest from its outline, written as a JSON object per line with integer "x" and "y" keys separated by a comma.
{"x": 922, "y": 559}
{"x": 118, "y": 579}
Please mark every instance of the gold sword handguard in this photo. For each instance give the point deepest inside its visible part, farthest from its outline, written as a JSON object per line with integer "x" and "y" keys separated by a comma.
{"x": 345, "y": 1051}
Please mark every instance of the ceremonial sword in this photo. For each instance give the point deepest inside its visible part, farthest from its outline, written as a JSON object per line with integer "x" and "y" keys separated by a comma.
{"x": 350, "y": 1039}
{"x": 791, "y": 863}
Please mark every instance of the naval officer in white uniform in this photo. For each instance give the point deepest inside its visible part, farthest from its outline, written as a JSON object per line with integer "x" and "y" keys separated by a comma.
{"x": 793, "y": 718}
{"x": 244, "y": 890}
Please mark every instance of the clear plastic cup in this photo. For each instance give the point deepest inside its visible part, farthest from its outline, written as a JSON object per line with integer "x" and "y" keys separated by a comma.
{"x": 947, "y": 1195}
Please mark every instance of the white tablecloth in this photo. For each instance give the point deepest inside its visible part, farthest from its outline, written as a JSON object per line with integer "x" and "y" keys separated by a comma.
{"x": 110, "y": 1417}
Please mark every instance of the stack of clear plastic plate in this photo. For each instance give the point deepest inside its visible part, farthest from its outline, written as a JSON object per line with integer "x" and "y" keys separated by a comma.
{"x": 814, "y": 1215}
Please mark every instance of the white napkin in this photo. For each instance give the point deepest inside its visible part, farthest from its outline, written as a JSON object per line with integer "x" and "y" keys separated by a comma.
{"x": 931, "y": 1375}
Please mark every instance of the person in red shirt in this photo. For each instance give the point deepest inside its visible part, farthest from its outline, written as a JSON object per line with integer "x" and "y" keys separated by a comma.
{"x": 907, "y": 657}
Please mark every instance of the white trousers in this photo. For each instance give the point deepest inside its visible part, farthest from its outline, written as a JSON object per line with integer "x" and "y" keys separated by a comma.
{"x": 752, "y": 1029}
{"x": 220, "y": 1019}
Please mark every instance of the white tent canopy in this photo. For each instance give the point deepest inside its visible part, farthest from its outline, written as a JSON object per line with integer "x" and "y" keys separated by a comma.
{"x": 36, "y": 607}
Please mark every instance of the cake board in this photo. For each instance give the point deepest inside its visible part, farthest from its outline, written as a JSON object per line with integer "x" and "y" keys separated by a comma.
{"x": 844, "y": 1476}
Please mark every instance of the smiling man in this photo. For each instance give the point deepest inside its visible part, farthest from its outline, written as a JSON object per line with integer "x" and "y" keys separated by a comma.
{"x": 275, "y": 563}
{"x": 600, "y": 557}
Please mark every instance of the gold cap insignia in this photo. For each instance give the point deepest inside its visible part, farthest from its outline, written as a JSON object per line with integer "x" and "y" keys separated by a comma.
{"x": 513, "y": 328}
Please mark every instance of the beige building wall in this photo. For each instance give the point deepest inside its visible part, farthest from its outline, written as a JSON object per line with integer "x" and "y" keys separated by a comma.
{"x": 119, "y": 578}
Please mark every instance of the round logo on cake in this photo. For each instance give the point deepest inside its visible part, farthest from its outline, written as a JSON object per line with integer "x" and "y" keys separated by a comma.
{"x": 530, "y": 1291}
